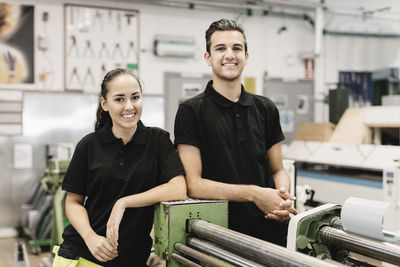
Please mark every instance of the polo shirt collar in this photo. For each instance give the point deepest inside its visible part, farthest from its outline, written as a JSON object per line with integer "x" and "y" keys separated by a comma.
{"x": 139, "y": 138}
{"x": 216, "y": 97}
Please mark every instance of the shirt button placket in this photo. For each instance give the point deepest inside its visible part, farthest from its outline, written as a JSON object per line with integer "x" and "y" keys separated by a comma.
{"x": 121, "y": 163}
{"x": 239, "y": 124}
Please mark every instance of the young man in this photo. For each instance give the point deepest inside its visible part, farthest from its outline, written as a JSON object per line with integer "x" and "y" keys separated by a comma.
{"x": 229, "y": 142}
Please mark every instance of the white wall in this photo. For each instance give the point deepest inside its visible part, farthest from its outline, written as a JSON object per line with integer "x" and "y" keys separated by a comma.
{"x": 270, "y": 52}
{"x": 359, "y": 53}
{"x": 276, "y": 54}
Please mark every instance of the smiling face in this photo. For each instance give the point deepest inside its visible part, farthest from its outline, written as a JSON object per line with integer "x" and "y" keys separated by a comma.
{"x": 124, "y": 104}
{"x": 227, "y": 55}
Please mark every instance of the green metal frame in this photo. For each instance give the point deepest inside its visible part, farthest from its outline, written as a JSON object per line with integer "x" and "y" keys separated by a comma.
{"x": 170, "y": 223}
{"x": 39, "y": 243}
{"x": 307, "y": 240}
{"x": 60, "y": 220}
{"x": 55, "y": 172}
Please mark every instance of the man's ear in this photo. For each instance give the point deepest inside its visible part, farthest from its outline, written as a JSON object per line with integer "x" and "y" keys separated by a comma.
{"x": 247, "y": 56}
{"x": 207, "y": 57}
{"x": 103, "y": 104}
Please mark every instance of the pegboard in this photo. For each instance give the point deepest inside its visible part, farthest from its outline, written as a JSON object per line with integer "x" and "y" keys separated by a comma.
{"x": 97, "y": 40}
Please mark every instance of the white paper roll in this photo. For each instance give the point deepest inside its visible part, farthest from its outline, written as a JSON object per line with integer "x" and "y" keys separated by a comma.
{"x": 364, "y": 217}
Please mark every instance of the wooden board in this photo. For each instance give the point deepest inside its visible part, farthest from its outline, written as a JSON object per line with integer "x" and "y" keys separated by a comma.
{"x": 351, "y": 128}
{"x": 313, "y": 131}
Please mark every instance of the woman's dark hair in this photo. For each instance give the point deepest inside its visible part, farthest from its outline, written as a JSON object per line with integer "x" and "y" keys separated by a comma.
{"x": 103, "y": 116}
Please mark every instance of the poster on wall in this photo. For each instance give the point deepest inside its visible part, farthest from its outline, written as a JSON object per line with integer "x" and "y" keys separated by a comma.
{"x": 303, "y": 104}
{"x": 280, "y": 100}
{"x": 287, "y": 120}
{"x": 97, "y": 40}
{"x": 16, "y": 43}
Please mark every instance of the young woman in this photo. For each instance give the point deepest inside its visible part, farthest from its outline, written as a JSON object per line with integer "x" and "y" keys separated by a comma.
{"x": 115, "y": 176}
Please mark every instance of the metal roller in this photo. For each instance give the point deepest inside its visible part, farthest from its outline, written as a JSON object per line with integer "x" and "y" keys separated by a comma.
{"x": 335, "y": 263}
{"x": 336, "y": 222}
{"x": 264, "y": 252}
{"x": 200, "y": 256}
{"x": 213, "y": 249}
{"x": 374, "y": 249}
{"x": 183, "y": 260}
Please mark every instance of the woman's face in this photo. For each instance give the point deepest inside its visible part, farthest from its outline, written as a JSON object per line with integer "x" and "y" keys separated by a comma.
{"x": 123, "y": 102}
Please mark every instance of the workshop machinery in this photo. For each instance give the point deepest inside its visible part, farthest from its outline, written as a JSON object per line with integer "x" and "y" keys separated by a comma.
{"x": 171, "y": 222}
{"x": 391, "y": 194}
{"x": 43, "y": 218}
{"x": 337, "y": 171}
{"x": 319, "y": 232}
{"x": 194, "y": 233}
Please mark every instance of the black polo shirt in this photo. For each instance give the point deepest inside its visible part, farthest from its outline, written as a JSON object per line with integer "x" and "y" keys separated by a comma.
{"x": 105, "y": 170}
{"x": 233, "y": 138}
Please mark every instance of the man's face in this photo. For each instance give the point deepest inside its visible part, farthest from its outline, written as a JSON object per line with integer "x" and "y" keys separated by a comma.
{"x": 227, "y": 55}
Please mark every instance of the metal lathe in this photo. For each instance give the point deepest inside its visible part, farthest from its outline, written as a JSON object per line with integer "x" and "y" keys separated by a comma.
{"x": 194, "y": 233}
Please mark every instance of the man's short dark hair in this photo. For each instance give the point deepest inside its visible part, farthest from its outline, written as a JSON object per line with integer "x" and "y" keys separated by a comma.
{"x": 223, "y": 25}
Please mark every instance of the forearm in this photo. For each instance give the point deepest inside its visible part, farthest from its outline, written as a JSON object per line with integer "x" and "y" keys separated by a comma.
{"x": 281, "y": 179}
{"x": 100, "y": 247}
{"x": 266, "y": 199}
{"x": 208, "y": 189}
{"x": 203, "y": 188}
{"x": 78, "y": 217}
{"x": 175, "y": 189}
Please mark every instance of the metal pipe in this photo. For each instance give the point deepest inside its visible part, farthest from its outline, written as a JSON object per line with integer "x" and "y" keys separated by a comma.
{"x": 358, "y": 34}
{"x": 263, "y": 9}
{"x": 336, "y": 263}
{"x": 363, "y": 34}
{"x": 336, "y": 222}
{"x": 200, "y": 256}
{"x": 184, "y": 261}
{"x": 374, "y": 249}
{"x": 224, "y": 5}
{"x": 213, "y": 249}
{"x": 319, "y": 87}
{"x": 262, "y": 251}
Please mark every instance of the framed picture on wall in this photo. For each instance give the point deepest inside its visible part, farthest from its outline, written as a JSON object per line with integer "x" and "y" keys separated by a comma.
{"x": 16, "y": 46}
{"x": 97, "y": 40}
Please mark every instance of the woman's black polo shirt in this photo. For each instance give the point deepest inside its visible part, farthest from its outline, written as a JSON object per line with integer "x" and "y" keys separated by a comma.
{"x": 233, "y": 138}
{"x": 105, "y": 170}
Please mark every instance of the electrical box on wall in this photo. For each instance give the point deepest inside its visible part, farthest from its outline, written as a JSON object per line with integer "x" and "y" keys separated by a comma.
{"x": 174, "y": 46}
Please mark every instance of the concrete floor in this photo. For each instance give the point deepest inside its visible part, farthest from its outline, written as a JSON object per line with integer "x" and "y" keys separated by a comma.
{"x": 7, "y": 246}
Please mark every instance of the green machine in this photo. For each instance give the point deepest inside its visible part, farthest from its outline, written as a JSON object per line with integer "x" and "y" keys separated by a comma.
{"x": 171, "y": 222}
{"x": 58, "y": 159}
{"x": 54, "y": 180}
{"x": 56, "y": 218}
{"x": 194, "y": 233}
{"x": 319, "y": 233}
{"x": 303, "y": 230}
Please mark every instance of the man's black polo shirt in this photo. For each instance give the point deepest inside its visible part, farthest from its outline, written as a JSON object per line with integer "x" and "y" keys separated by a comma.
{"x": 105, "y": 170}
{"x": 233, "y": 138}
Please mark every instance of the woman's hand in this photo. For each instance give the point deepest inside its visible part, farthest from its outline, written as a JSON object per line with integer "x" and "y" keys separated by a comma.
{"x": 114, "y": 221}
{"x": 100, "y": 247}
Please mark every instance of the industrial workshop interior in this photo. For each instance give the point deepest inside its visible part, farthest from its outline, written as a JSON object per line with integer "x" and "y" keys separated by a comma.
{"x": 273, "y": 125}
